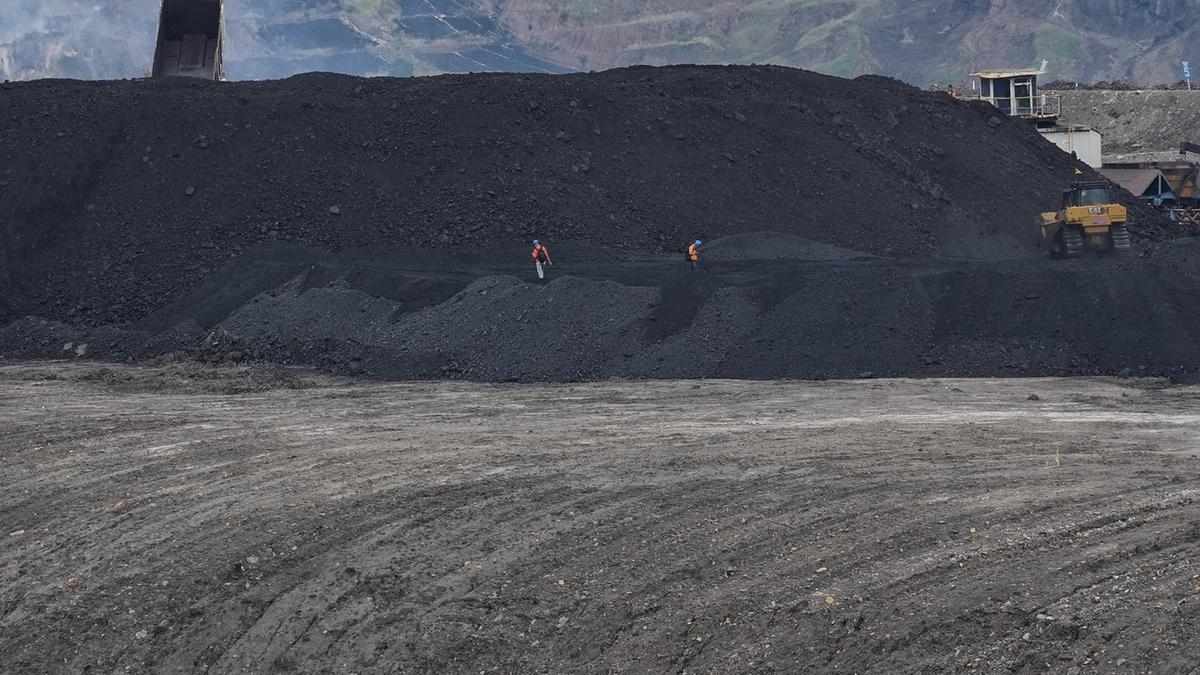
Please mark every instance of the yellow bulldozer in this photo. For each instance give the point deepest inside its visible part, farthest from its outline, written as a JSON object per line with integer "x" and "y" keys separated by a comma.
{"x": 1089, "y": 220}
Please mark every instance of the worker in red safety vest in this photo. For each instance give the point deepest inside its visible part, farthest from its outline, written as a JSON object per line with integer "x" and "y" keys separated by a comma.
{"x": 693, "y": 254}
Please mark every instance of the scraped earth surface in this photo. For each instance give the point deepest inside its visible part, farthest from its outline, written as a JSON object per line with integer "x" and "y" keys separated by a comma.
{"x": 230, "y": 519}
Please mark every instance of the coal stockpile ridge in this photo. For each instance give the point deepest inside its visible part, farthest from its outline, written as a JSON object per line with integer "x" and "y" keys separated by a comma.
{"x": 815, "y": 313}
{"x": 116, "y": 197}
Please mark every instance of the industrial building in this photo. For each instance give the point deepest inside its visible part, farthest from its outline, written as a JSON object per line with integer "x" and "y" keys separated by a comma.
{"x": 1170, "y": 184}
{"x": 1173, "y": 187}
{"x": 1014, "y": 92}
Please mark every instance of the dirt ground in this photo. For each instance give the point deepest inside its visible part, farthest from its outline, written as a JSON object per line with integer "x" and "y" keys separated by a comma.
{"x": 180, "y": 518}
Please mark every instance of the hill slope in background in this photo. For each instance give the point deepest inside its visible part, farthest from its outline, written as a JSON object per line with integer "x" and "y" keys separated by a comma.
{"x": 1144, "y": 125}
{"x": 920, "y": 42}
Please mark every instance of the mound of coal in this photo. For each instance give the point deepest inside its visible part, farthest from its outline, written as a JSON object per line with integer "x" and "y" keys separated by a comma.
{"x": 481, "y": 315}
{"x": 774, "y": 246}
{"x": 116, "y": 197}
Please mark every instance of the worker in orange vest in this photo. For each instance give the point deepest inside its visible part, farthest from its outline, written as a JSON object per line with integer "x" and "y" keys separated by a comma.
{"x": 693, "y": 254}
{"x": 541, "y": 256}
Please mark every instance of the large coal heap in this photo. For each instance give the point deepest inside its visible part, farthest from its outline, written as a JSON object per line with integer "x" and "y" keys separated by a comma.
{"x": 117, "y": 196}
{"x": 762, "y": 306}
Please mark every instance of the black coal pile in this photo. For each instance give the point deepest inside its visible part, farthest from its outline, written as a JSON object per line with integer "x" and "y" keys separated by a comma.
{"x": 816, "y": 312}
{"x": 116, "y": 197}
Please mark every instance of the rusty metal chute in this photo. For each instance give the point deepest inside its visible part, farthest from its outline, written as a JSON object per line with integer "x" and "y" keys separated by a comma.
{"x": 191, "y": 35}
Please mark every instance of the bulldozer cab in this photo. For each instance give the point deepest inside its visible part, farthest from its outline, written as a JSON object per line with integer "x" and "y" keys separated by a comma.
{"x": 190, "y": 39}
{"x": 1087, "y": 194}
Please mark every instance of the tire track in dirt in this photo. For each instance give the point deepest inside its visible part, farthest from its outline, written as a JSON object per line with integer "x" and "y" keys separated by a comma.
{"x": 712, "y": 526}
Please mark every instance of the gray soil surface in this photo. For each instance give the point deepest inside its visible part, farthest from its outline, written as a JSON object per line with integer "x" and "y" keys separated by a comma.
{"x": 1140, "y": 125}
{"x": 183, "y": 518}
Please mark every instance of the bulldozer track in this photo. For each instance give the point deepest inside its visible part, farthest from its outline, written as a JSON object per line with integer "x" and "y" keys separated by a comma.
{"x": 1120, "y": 238}
{"x": 1072, "y": 242}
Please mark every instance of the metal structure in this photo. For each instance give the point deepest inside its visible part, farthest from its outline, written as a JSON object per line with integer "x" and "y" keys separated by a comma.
{"x": 1015, "y": 92}
{"x": 1084, "y": 142}
{"x": 1171, "y": 187}
{"x": 1166, "y": 185}
{"x": 191, "y": 36}
{"x": 1147, "y": 183}
{"x": 1186, "y": 216}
